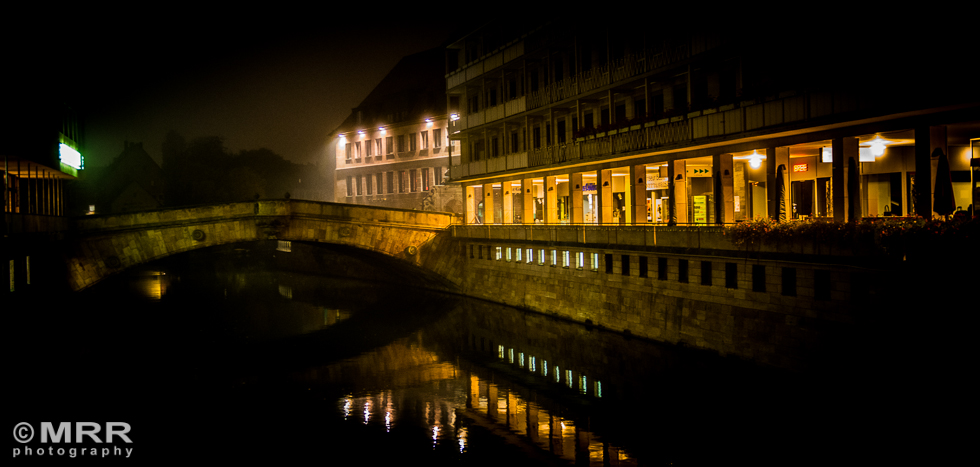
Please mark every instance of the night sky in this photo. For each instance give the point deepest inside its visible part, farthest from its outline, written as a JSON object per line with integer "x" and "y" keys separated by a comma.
{"x": 278, "y": 81}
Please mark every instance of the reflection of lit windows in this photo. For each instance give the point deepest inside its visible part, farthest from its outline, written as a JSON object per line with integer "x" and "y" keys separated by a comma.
{"x": 557, "y": 374}
{"x": 285, "y": 245}
{"x": 544, "y": 368}
{"x": 509, "y": 254}
{"x": 568, "y": 378}
{"x": 521, "y": 359}
{"x": 579, "y": 260}
{"x": 499, "y": 253}
{"x": 510, "y": 355}
{"x": 598, "y": 389}
{"x": 595, "y": 262}
{"x": 554, "y": 258}
{"x": 565, "y": 258}
{"x": 583, "y": 384}
{"x": 532, "y": 366}
{"x": 347, "y": 406}
{"x": 500, "y": 350}
{"x": 541, "y": 257}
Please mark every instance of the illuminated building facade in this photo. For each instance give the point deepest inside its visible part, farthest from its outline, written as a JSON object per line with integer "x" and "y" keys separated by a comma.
{"x": 393, "y": 150}
{"x": 584, "y": 124}
{"x": 42, "y": 149}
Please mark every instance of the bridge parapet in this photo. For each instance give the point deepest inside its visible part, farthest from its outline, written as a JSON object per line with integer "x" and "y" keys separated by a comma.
{"x": 103, "y": 245}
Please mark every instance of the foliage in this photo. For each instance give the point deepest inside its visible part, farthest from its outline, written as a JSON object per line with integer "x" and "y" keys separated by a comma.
{"x": 897, "y": 235}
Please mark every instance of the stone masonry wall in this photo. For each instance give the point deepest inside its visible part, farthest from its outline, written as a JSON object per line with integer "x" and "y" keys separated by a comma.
{"x": 782, "y": 326}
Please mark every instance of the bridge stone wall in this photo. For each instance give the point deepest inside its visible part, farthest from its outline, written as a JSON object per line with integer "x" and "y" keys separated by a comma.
{"x": 105, "y": 245}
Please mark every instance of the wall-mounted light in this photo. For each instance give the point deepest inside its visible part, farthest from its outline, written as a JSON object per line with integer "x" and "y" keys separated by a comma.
{"x": 826, "y": 155}
{"x": 454, "y": 117}
{"x": 360, "y": 132}
{"x": 755, "y": 160}
{"x": 878, "y": 146}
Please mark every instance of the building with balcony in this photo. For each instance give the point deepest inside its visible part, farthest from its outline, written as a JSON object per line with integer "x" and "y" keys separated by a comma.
{"x": 566, "y": 123}
{"x": 393, "y": 149}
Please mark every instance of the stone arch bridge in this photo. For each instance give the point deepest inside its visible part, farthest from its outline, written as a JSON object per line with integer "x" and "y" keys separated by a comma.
{"x": 105, "y": 245}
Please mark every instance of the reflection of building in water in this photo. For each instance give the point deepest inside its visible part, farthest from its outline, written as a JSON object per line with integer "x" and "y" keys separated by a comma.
{"x": 454, "y": 399}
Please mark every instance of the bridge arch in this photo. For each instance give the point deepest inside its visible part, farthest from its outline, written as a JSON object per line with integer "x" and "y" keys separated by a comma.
{"x": 105, "y": 245}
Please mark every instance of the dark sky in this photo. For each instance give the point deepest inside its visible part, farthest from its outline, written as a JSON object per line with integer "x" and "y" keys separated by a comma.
{"x": 279, "y": 81}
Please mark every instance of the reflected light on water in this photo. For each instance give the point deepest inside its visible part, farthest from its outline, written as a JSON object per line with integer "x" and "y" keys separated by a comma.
{"x": 461, "y": 439}
{"x": 347, "y": 406}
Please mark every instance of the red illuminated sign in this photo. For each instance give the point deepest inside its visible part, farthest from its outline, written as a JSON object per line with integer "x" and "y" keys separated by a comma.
{"x": 799, "y": 168}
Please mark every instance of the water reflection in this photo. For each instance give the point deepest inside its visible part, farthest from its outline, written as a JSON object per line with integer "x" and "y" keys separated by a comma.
{"x": 409, "y": 369}
{"x": 453, "y": 397}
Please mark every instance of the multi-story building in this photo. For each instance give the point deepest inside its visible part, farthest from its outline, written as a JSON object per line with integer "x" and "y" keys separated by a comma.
{"x": 393, "y": 150}
{"x": 588, "y": 124}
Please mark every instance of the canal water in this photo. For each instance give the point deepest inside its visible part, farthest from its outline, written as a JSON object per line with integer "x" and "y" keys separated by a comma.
{"x": 223, "y": 356}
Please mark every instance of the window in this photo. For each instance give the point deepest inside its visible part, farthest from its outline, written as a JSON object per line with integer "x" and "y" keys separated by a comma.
{"x": 530, "y": 255}
{"x": 595, "y": 262}
{"x": 347, "y": 148}
{"x": 401, "y": 144}
{"x": 517, "y": 256}
{"x": 758, "y": 278}
{"x": 377, "y": 144}
{"x": 367, "y": 180}
{"x": 554, "y": 258}
{"x": 499, "y": 253}
{"x": 508, "y": 258}
{"x": 705, "y": 272}
{"x": 609, "y": 263}
{"x": 565, "y": 259}
{"x": 350, "y": 186}
{"x": 625, "y": 265}
{"x": 789, "y": 282}
{"x": 662, "y": 269}
{"x": 389, "y": 147}
{"x": 425, "y": 140}
{"x": 413, "y": 180}
{"x": 643, "y": 266}
{"x": 580, "y": 260}
{"x": 357, "y": 180}
{"x": 425, "y": 179}
{"x": 438, "y": 176}
{"x": 381, "y": 182}
{"x": 731, "y": 275}
{"x": 437, "y": 137}
{"x": 471, "y": 251}
{"x": 412, "y": 142}
{"x": 357, "y": 151}
{"x": 490, "y": 254}
{"x": 541, "y": 257}
{"x": 682, "y": 271}
{"x": 391, "y": 182}
{"x": 402, "y": 181}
